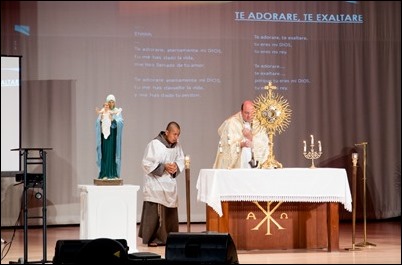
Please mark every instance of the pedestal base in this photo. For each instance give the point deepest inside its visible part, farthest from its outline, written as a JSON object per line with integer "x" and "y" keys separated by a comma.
{"x": 109, "y": 212}
{"x": 108, "y": 182}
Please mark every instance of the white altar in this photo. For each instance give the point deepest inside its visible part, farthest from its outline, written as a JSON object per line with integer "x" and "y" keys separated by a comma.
{"x": 109, "y": 212}
{"x": 286, "y": 184}
{"x": 299, "y": 206}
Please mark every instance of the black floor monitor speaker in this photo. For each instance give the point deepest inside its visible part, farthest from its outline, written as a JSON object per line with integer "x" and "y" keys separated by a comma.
{"x": 88, "y": 251}
{"x": 200, "y": 248}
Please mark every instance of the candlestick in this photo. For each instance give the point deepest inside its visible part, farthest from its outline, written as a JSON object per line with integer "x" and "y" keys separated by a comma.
{"x": 355, "y": 156}
{"x": 220, "y": 147}
{"x": 312, "y": 154}
{"x": 354, "y": 161}
{"x": 187, "y": 161}
{"x": 187, "y": 171}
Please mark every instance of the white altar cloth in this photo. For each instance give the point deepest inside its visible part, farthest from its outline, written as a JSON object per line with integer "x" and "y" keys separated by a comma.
{"x": 286, "y": 184}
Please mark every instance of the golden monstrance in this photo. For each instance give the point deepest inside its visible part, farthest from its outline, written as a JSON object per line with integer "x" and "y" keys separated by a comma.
{"x": 273, "y": 113}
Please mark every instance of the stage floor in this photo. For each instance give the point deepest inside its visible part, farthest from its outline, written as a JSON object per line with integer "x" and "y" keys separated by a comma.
{"x": 386, "y": 234}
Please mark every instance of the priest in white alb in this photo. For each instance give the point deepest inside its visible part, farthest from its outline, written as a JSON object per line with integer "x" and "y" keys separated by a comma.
{"x": 242, "y": 142}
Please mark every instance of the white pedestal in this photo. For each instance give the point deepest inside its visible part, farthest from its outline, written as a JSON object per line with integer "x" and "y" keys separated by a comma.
{"x": 109, "y": 212}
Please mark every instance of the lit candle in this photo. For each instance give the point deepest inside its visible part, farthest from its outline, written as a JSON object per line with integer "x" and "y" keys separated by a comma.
{"x": 312, "y": 139}
{"x": 228, "y": 139}
{"x": 354, "y": 159}
{"x": 319, "y": 146}
{"x": 305, "y": 146}
{"x": 187, "y": 161}
{"x": 220, "y": 147}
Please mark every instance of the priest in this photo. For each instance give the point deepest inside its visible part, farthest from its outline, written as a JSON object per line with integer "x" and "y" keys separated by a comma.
{"x": 242, "y": 143}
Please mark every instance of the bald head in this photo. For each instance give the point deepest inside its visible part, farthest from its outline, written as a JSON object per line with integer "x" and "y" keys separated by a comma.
{"x": 172, "y": 132}
{"x": 247, "y": 111}
{"x": 172, "y": 125}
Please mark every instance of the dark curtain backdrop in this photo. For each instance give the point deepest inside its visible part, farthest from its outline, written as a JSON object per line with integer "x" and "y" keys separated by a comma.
{"x": 195, "y": 62}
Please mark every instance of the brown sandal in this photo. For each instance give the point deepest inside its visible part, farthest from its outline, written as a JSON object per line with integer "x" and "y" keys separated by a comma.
{"x": 152, "y": 244}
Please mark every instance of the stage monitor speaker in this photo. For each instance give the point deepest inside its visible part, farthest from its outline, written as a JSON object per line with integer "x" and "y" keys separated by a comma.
{"x": 88, "y": 251}
{"x": 200, "y": 248}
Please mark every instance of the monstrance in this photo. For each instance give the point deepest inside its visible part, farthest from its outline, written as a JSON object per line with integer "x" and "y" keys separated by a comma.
{"x": 273, "y": 113}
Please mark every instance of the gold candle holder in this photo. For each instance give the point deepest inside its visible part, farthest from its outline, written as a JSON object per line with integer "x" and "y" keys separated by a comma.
{"x": 355, "y": 157}
{"x": 312, "y": 154}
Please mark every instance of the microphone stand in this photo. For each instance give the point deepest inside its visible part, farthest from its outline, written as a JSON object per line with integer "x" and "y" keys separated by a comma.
{"x": 364, "y": 243}
{"x": 253, "y": 163}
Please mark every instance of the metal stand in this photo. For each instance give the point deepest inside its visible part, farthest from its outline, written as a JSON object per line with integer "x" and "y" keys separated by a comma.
{"x": 354, "y": 160}
{"x": 364, "y": 243}
{"x": 32, "y": 156}
{"x": 187, "y": 168}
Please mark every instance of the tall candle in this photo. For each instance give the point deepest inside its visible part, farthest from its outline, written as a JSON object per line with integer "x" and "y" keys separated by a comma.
{"x": 312, "y": 139}
{"x": 354, "y": 159}
{"x": 305, "y": 147}
{"x": 319, "y": 146}
{"x": 187, "y": 161}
